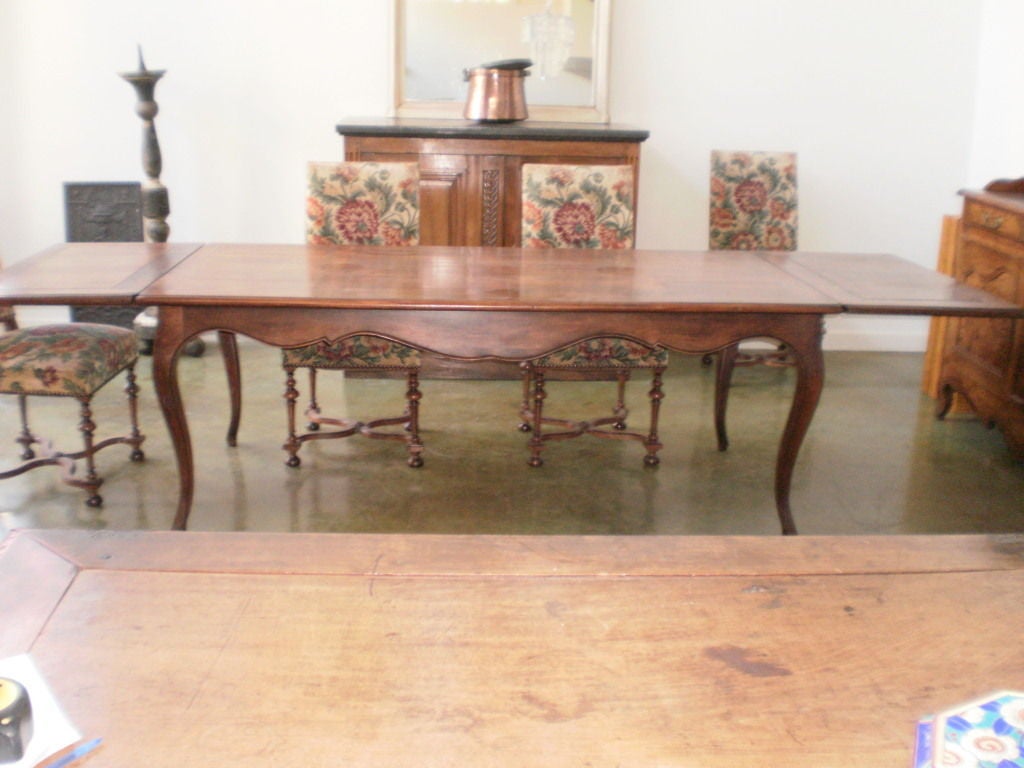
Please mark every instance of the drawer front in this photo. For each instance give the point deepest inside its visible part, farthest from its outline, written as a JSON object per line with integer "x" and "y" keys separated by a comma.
{"x": 995, "y": 220}
{"x": 987, "y": 341}
{"x": 990, "y": 269}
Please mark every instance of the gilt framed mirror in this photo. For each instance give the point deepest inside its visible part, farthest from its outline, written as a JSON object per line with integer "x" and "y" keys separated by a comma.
{"x": 434, "y": 41}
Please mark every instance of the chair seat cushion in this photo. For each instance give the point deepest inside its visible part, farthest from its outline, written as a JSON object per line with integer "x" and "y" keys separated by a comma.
{"x": 64, "y": 359}
{"x": 360, "y": 351}
{"x": 604, "y": 352}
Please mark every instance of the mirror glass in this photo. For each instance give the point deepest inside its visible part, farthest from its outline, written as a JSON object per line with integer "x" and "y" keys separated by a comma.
{"x": 437, "y": 40}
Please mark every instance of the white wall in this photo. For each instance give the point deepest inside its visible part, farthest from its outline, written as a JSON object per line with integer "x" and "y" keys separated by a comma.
{"x": 876, "y": 97}
{"x": 998, "y": 141}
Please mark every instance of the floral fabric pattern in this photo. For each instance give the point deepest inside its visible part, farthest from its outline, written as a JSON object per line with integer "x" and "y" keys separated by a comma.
{"x": 67, "y": 359}
{"x": 360, "y": 203}
{"x": 568, "y": 206}
{"x": 987, "y": 734}
{"x": 361, "y": 351}
{"x": 753, "y": 201}
{"x": 605, "y": 352}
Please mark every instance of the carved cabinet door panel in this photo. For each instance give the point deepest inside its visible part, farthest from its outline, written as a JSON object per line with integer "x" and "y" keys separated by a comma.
{"x": 445, "y": 189}
{"x": 465, "y": 200}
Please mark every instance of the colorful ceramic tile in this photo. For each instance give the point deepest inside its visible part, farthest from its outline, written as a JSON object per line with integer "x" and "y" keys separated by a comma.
{"x": 988, "y": 733}
{"x": 923, "y": 744}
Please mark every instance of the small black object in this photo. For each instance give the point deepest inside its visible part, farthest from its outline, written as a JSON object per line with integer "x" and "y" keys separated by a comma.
{"x": 15, "y": 720}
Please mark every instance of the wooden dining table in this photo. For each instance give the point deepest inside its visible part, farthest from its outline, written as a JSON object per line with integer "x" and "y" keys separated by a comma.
{"x": 289, "y": 649}
{"x": 488, "y": 304}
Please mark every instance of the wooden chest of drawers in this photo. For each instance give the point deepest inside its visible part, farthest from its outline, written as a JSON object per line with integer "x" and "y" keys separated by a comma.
{"x": 984, "y": 358}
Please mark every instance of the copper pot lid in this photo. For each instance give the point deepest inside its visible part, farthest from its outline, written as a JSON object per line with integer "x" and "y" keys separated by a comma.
{"x": 513, "y": 66}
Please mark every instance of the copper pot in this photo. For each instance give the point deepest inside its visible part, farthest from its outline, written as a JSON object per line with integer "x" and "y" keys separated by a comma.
{"x": 496, "y": 92}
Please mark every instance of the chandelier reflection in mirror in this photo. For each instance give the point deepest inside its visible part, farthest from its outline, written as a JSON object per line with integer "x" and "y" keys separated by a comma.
{"x": 567, "y": 40}
{"x": 550, "y": 37}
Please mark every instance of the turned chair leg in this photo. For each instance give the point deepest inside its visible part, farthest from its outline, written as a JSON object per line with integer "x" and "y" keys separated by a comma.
{"x": 87, "y": 427}
{"x": 26, "y": 439}
{"x": 291, "y": 394}
{"x": 524, "y": 408}
{"x": 620, "y": 411}
{"x": 413, "y": 396}
{"x": 131, "y": 388}
{"x": 314, "y": 406}
{"x": 537, "y": 439}
{"x": 653, "y": 444}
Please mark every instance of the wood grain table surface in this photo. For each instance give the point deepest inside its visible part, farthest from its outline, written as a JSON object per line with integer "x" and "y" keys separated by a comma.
{"x": 214, "y": 649}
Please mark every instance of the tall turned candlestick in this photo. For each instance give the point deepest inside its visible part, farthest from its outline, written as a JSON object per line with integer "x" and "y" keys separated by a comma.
{"x": 155, "y": 203}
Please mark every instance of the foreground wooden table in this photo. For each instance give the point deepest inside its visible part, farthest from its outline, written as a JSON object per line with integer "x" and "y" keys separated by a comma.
{"x": 478, "y": 304}
{"x": 206, "y": 649}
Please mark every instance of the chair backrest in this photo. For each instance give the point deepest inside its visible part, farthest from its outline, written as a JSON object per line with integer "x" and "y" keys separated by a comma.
{"x": 363, "y": 203}
{"x": 577, "y": 206}
{"x": 753, "y": 201}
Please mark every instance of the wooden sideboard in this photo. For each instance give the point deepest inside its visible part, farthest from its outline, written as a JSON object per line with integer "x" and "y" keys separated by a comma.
{"x": 470, "y": 173}
{"x": 983, "y": 359}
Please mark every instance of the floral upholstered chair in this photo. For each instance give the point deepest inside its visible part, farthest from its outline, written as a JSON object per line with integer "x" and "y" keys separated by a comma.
{"x": 568, "y": 206}
{"x": 358, "y": 203}
{"x": 69, "y": 360}
{"x": 753, "y": 207}
{"x": 753, "y": 201}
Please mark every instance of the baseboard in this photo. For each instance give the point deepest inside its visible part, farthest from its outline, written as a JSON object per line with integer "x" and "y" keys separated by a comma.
{"x": 876, "y": 334}
{"x": 861, "y": 342}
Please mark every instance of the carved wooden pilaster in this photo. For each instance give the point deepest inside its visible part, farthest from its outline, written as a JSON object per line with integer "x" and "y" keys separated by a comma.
{"x": 490, "y": 202}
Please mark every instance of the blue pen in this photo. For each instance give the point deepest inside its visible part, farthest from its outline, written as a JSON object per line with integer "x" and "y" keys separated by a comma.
{"x": 80, "y": 751}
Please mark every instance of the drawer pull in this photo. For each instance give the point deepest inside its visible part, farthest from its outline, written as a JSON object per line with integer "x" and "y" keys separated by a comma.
{"x": 990, "y": 221}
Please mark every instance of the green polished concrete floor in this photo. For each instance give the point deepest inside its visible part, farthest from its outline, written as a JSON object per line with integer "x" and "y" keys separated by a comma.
{"x": 875, "y": 460}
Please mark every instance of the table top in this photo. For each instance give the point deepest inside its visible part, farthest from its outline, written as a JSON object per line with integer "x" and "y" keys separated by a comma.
{"x": 435, "y": 277}
{"x": 217, "y": 649}
{"x": 485, "y": 278}
{"x": 90, "y": 273}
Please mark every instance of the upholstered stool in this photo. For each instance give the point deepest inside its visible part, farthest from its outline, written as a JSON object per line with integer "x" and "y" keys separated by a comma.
{"x": 359, "y": 352}
{"x": 604, "y": 355}
{"x": 69, "y": 360}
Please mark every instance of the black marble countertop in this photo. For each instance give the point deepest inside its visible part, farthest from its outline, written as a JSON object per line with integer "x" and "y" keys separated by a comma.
{"x": 470, "y": 129}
